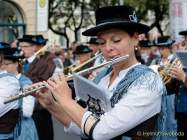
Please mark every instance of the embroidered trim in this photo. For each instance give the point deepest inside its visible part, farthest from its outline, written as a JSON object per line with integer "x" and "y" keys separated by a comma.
{"x": 125, "y": 83}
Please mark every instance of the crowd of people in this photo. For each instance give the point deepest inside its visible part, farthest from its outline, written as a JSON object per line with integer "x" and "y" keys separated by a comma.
{"x": 147, "y": 92}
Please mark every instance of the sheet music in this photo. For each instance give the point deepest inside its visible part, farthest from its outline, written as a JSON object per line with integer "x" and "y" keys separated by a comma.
{"x": 182, "y": 55}
{"x": 85, "y": 89}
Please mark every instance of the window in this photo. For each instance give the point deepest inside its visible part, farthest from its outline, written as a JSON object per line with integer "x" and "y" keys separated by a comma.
{"x": 11, "y": 21}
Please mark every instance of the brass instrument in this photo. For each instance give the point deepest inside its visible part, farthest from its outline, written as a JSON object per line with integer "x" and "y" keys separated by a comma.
{"x": 73, "y": 68}
{"x": 39, "y": 52}
{"x": 166, "y": 69}
{"x": 41, "y": 85}
{"x": 68, "y": 70}
{"x": 42, "y": 50}
{"x": 86, "y": 62}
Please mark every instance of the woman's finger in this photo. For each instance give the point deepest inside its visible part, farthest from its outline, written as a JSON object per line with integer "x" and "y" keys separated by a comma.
{"x": 49, "y": 84}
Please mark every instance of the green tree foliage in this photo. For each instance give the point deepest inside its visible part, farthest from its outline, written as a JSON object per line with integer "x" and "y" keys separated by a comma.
{"x": 76, "y": 14}
{"x": 159, "y": 8}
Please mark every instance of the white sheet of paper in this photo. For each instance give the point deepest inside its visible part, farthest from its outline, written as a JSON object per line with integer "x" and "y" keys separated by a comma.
{"x": 182, "y": 55}
{"x": 85, "y": 88}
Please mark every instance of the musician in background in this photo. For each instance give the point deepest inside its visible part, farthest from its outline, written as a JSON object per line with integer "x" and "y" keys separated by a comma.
{"x": 184, "y": 33}
{"x": 181, "y": 98}
{"x": 13, "y": 57}
{"x": 164, "y": 45}
{"x": 9, "y": 113}
{"x": 38, "y": 68}
{"x": 94, "y": 46}
{"x": 180, "y": 104}
{"x": 82, "y": 54}
{"x": 134, "y": 90}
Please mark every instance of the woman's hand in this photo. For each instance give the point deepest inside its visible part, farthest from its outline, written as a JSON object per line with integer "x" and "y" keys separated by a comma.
{"x": 59, "y": 88}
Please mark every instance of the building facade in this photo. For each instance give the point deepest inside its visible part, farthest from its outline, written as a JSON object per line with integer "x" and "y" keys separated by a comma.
{"x": 18, "y": 17}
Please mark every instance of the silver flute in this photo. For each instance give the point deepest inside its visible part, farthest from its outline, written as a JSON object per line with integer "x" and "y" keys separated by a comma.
{"x": 41, "y": 85}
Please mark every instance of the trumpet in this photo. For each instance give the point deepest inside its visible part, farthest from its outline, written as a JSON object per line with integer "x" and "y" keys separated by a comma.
{"x": 38, "y": 53}
{"x": 42, "y": 50}
{"x": 41, "y": 85}
{"x": 73, "y": 68}
{"x": 87, "y": 62}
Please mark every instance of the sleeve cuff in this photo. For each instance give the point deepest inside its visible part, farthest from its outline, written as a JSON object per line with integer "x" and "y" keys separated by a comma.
{"x": 85, "y": 117}
{"x": 88, "y": 124}
{"x": 72, "y": 129}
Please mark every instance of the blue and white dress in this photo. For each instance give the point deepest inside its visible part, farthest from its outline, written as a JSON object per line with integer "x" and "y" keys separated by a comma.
{"x": 28, "y": 128}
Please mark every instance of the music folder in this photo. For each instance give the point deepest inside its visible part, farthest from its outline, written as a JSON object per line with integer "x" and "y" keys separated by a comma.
{"x": 87, "y": 90}
{"x": 182, "y": 55}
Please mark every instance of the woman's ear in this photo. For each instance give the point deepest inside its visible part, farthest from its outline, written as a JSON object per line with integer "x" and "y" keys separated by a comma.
{"x": 135, "y": 39}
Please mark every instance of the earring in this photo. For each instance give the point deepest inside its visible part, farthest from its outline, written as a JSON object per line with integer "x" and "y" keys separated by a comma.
{"x": 136, "y": 49}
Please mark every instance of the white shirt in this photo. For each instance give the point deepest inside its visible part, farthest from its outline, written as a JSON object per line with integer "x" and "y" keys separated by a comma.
{"x": 138, "y": 105}
{"x": 28, "y": 103}
{"x": 9, "y": 86}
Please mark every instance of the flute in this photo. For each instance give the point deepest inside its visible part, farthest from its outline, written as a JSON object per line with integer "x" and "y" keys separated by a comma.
{"x": 70, "y": 77}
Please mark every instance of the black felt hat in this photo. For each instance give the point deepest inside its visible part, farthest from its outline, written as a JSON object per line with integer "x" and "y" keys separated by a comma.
{"x": 146, "y": 43}
{"x": 10, "y": 53}
{"x": 183, "y": 33}
{"x": 34, "y": 39}
{"x": 82, "y": 49}
{"x": 4, "y": 45}
{"x": 93, "y": 40}
{"x": 121, "y": 17}
{"x": 13, "y": 54}
{"x": 164, "y": 41}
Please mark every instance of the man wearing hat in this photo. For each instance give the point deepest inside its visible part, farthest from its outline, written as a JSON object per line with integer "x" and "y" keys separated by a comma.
{"x": 180, "y": 101}
{"x": 93, "y": 44}
{"x": 184, "y": 33}
{"x": 39, "y": 67}
{"x": 30, "y": 44}
{"x": 181, "y": 96}
{"x": 9, "y": 86}
{"x": 82, "y": 54}
{"x": 147, "y": 52}
{"x": 164, "y": 45}
{"x": 134, "y": 91}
